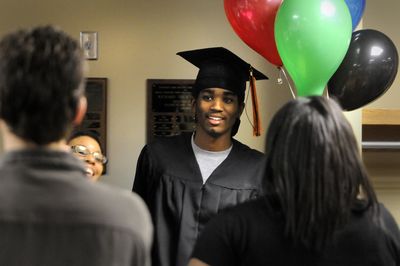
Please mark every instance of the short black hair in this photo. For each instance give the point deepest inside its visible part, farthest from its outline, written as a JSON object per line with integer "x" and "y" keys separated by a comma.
{"x": 41, "y": 81}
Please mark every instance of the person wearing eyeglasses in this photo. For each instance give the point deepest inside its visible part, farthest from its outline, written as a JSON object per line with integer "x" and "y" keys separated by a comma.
{"x": 85, "y": 144}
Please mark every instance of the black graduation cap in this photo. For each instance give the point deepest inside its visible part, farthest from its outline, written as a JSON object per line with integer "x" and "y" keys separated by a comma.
{"x": 220, "y": 68}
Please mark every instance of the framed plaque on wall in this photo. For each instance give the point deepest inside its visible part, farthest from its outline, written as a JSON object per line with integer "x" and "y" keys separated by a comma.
{"x": 169, "y": 110}
{"x": 96, "y": 114}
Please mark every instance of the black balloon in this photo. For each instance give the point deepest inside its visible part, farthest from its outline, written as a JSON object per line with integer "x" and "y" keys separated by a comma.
{"x": 367, "y": 71}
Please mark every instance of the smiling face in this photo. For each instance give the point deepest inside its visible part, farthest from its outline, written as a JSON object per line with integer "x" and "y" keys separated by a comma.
{"x": 216, "y": 111}
{"x": 94, "y": 167}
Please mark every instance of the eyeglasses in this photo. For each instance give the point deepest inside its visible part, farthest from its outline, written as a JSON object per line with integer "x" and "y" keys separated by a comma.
{"x": 84, "y": 151}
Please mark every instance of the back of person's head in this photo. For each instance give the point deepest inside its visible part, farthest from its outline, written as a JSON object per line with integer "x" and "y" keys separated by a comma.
{"x": 314, "y": 173}
{"x": 41, "y": 81}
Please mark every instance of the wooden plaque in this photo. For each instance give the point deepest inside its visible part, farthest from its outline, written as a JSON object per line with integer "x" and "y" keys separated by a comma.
{"x": 169, "y": 110}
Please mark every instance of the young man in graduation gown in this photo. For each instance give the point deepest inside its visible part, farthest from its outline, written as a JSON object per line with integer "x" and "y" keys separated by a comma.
{"x": 187, "y": 179}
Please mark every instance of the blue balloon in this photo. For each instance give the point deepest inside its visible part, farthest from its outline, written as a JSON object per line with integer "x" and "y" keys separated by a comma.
{"x": 356, "y": 8}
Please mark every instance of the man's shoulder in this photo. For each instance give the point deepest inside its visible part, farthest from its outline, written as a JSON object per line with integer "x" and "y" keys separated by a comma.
{"x": 169, "y": 143}
{"x": 243, "y": 148}
{"x": 114, "y": 208}
{"x": 66, "y": 198}
{"x": 182, "y": 137}
{"x": 117, "y": 205}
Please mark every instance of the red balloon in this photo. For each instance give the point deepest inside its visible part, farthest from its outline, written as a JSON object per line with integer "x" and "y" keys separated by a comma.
{"x": 253, "y": 21}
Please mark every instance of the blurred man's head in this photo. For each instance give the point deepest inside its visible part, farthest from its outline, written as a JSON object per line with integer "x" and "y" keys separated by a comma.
{"x": 41, "y": 83}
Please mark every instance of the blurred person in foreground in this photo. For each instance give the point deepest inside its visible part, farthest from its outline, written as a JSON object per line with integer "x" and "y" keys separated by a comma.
{"x": 319, "y": 208}
{"x": 86, "y": 145}
{"x": 50, "y": 214}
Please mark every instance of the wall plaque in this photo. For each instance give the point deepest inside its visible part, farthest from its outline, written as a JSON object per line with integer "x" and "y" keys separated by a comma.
{"x": 169, "y": 110}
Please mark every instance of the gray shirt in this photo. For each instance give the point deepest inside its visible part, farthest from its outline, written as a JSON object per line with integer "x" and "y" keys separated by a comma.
{"x": 208, "y": 160}
{"x": 50, "y": 214}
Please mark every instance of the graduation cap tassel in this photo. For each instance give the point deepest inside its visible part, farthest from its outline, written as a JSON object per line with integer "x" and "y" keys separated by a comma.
{"x": 254, "y": 101}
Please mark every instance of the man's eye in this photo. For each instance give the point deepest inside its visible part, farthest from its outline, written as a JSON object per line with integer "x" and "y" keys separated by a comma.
{"x": 228, "y": 100}
{"x": 206, "y": 97}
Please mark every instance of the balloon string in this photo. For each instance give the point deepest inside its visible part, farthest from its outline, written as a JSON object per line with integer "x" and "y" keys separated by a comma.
{"x": 290, "y": 87}
{"x": 327, "y": 92}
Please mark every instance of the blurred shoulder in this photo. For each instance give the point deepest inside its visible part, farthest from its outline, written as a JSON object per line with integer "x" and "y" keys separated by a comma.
{"x": 116, "y": 207}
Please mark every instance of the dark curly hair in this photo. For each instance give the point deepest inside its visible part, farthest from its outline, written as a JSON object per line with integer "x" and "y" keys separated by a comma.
{"x": 41, "y": 81}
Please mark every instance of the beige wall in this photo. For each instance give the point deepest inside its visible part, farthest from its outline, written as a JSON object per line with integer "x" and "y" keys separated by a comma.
{"x": 384, "y": 167}
{"x": 138, "y": 40}
{"x": 384, "y": 16}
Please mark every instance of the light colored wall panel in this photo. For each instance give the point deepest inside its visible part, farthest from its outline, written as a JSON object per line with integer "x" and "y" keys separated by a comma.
{"x": 384, "y": 167}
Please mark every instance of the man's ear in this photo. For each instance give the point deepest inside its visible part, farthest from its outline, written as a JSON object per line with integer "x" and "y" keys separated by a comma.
{"x": 81, "y": 108}
{"x": 193, "y": 104}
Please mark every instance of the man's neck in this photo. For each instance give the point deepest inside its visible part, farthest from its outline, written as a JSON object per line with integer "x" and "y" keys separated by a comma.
{"x": 12, "y": 142}
{"x": 212, "y": 143}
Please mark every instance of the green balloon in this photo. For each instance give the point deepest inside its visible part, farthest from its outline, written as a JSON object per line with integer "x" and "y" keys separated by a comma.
{"x": 312, "y": 37}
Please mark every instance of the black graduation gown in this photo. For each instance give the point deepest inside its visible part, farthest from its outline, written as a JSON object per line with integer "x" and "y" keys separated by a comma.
{"x": 170, "y": 182}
